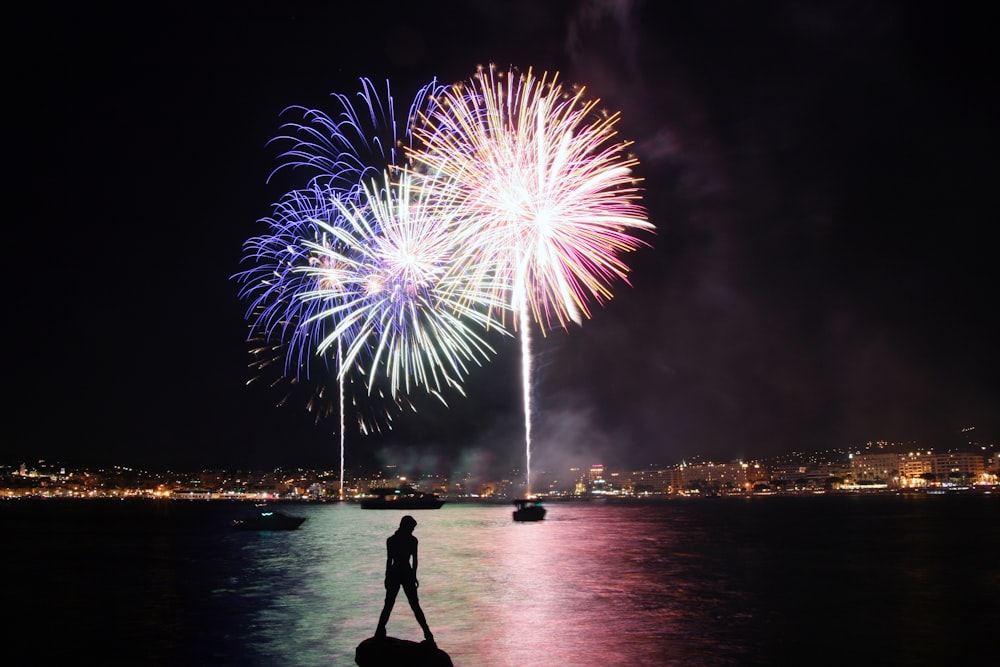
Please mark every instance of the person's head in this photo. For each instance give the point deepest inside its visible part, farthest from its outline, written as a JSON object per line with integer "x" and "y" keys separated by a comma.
{"x": 407, "y": 524}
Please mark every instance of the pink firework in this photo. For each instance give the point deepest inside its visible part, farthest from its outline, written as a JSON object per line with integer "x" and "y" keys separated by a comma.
{"x": 551, "y": 204}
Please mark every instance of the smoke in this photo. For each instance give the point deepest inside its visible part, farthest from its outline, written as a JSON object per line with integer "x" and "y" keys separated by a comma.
{"x": 570, "y": 433}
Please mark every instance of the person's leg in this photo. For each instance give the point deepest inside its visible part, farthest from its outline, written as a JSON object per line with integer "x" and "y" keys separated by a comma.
{"x": 411, "y": 595}
{"x": 390, "y": 601}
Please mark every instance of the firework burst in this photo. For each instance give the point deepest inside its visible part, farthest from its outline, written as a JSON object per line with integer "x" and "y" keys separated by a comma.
{"x": 549, "y": 198}
{"x": 386, "y": 285}
{"x": 337, "y": 150}
{"x": 550, "y": 201}
{"x": 284, "y": 334}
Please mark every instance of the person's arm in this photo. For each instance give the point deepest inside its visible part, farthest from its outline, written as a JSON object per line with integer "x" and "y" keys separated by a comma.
{"x": 415, "y": 562}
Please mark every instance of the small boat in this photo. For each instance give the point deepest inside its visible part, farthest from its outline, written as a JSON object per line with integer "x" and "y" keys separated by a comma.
{"x": 268, "y": 519}
{"x": 528, "y": 509}
{"x": 402, "y": 498}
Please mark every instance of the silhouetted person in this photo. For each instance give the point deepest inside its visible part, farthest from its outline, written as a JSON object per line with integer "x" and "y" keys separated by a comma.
{"x": 400, "y": 548}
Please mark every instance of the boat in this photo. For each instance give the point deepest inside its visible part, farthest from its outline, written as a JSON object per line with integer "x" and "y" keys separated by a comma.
{"x": 269, "y": 519}
{"x": 528, "y": 509}
{"x": 402, "y": 498}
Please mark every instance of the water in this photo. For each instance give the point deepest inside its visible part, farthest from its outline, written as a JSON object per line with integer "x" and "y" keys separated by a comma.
{"x": 900, "y": 580}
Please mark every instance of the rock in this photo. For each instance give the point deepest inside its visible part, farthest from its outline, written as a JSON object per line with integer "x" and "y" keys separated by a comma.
{"x": 393, "y": 652}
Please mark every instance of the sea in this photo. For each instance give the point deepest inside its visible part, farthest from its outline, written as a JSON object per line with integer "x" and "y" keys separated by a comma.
{"x": 878, "y": 579}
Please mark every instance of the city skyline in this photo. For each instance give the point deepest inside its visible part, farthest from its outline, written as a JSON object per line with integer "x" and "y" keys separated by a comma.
{"x": 882, "y": 467}
{"x": 820, "y": 179}
{"x": 394, "y": 470}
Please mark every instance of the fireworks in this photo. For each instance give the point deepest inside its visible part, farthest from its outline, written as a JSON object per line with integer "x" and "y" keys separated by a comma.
{"x": 338, "y": 152}
{"x": 283, "y": 333}
{"x": 386, "y": 285}
{"x": 352, "y": 262}
{"x": 513, "y": 196}
{"x": 550, "y": 200}
{"x": 356, "y": 143}
{"x": 271, "y": 283}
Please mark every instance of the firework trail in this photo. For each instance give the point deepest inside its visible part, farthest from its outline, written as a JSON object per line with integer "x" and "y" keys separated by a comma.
{"x": 385, "y": 283}
{"x": 550, "y": 202}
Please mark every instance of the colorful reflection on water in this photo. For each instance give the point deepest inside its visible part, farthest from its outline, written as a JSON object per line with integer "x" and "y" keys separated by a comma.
{"x": 702, "y": 582}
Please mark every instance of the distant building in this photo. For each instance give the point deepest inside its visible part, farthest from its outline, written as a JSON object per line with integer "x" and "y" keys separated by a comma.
{"x": 959, "y": 467}
{"x": 719, "y": 476}
{"x": 916, "y": 469}
{"x": 596, "y": 482}
{"x": 875, "y": 469}
{"x": 657, "y": 482}
{"x": 921, "y": 469}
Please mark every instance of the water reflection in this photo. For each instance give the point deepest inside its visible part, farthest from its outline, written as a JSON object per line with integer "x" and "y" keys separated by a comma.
{"x": 707, "y": 582}
{"x": 589, "y": 585}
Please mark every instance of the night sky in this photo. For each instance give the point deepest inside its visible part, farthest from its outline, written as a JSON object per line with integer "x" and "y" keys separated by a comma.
{"x": 822, "y": 177}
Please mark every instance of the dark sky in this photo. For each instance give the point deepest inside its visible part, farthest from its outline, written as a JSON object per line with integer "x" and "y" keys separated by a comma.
{"x": 821, "y": 175}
